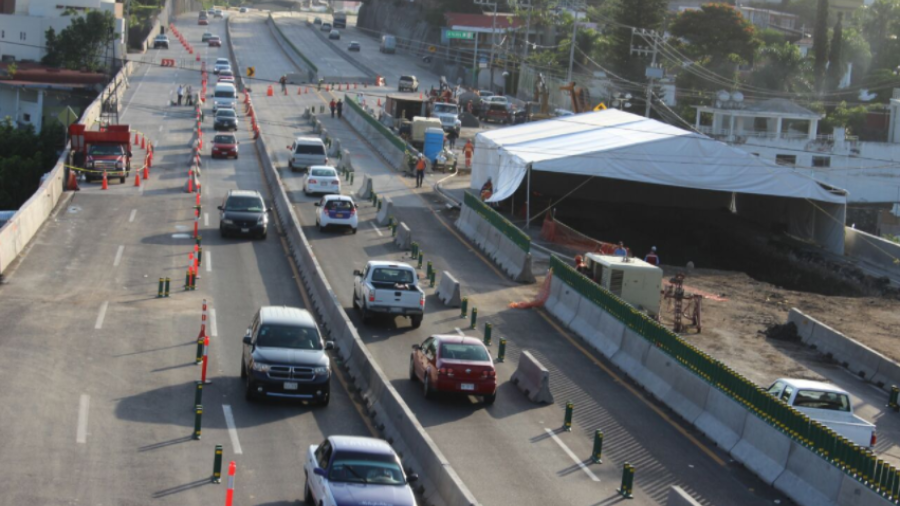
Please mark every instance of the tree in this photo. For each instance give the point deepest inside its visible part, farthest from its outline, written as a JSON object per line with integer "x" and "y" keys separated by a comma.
{"x": 875, "y": 23}
{"x": 783, "y": 69}
{"x": 836, "y": 59}
{"x": 716, "y": 31}
{"x": 24, "y": 157}
{"x": 820, "y": 44}
{"x": 646, "y": 14}
{"x": 82, "y": 44}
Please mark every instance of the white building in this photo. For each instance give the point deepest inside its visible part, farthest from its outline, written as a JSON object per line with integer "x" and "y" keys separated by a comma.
{"x": 786, "y": 133}
{"x": 24, "y": 22}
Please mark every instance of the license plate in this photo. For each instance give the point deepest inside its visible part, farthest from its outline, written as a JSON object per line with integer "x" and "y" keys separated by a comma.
{"x": 290, "y": 386}
{"x": 396, "y": 310}
{"x": 340, "y": 215}
{"x": 467, "y": 386}
{"x": 245, "y": 230}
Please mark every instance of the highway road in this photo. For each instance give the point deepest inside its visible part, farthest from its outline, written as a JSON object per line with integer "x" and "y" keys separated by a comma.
{"x": 99, "y": 374}
{"x": 512, "y": 452}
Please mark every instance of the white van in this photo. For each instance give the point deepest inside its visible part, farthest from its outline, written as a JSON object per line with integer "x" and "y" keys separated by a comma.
{"x": 224, "y": 96}
{"x": 306, "y": 152}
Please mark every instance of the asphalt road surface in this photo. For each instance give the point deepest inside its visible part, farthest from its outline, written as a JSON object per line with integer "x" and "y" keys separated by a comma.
{"x": 512, "y": 452}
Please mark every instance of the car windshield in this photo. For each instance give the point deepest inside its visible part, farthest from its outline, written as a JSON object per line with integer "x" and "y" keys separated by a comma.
{"x": 214, "y": 39}
{"x": 339, "y": 205}
{"x": 822, "y": 400}
{"x": 106, "y": 149}
{"x": 246, "y": 204}
{"x": 224, "y": 139}
{"x": 323, "y": 173}
{"x": 288, "y": 336}
{"x": 161, "y": 37}
{"x": 407, "y": 78}
{"x": 464, "y": 351}
{"x": 392, "y": 275}
{"x": 445, "y": 108}
{"x": 224, "y": 94}
{"x": 225, "y": 113}
{"x": 222, "y": 61}
{"x": 309, "y": 149}
{"x": 358, "y": 467}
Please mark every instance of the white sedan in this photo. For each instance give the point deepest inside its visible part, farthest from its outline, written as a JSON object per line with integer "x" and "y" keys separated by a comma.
{"x": 321, "y": 179}
{"x": 336, "y": 211}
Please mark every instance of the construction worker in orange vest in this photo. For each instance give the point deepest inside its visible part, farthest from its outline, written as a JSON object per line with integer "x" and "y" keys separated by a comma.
{"x": 420, "y": 171}
{"x": 469, "y": 150}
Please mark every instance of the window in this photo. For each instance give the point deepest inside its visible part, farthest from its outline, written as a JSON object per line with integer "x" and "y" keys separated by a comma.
{"x": 822, "y": 400}
{"x": 323, "y": 173}
{"x": 310, "y": 149}
{"x": 821, "y": 161}
{"x": 323, "y": 454}
{"x": 786, "y": 159}
{"x": 369, "y": 468}
{"x": 776, "y": 388}
{"x": 463, "y": 351}
{"x": 288, "y": 336}
{"x": 27, "y": 117}
{"x": 244, "y": 204}
{"x": 391, "y": 275}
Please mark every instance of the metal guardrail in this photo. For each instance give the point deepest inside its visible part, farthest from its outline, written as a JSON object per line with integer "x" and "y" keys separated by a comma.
{"x": 856, "y": 461}
{"x": 497, "y": 220}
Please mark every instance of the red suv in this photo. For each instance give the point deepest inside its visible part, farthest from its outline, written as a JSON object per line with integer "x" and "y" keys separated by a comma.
{"x": 454, "y": 364}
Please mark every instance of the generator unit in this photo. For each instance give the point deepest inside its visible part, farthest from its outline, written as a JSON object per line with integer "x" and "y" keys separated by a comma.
{"x": 631, "y": 279}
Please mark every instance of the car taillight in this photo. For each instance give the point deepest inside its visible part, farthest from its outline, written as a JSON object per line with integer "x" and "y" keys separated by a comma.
{"x": 422, "y": 301}
{"x": 335, "y": 182}
{"x": 488, "y": 374}
{"x": 372, "y": 297}
{"x": 312, "y": 181}
{"x": 874, "y": 439}
{"x": 352, "y": 211}
{"x": 446, "y": 370}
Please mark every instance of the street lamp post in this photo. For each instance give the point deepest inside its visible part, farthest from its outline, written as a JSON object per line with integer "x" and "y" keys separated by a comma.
{"x": 621, "y": 101}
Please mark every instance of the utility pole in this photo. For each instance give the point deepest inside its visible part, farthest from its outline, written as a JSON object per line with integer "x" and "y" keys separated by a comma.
{"x": 652, "y": 72}
{"x": 487, "y": 3}
{"x": 577, "y": 7}
{"x": 650, "y": 75}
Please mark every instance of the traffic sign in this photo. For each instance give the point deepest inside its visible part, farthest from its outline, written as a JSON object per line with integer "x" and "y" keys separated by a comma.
{"x": 67, "y": 117}
{"x": 460, "y": 34}
{"x": 251, "y": 71}
{"x": 431, "y": 49}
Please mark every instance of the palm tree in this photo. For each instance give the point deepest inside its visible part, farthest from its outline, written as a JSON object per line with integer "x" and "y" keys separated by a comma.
{"x": 784, "y": 69}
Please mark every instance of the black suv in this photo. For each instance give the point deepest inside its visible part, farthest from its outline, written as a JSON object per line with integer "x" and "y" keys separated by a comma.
{"x": 226, "y": 119}
{"x": 243, "y": 212}
{"x": 284, "y": 356}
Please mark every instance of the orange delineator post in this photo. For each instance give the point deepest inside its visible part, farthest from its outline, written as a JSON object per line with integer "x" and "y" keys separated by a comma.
{"x": 205, "y": 361}
{"x": 229, "y": 494}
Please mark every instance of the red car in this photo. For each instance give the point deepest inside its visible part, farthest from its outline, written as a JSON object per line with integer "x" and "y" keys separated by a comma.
{"x": 215, "y": 41}
{"x": 203, "y": 22}
{"x": 454, "y": 364}
{"x": 224, "y": 145}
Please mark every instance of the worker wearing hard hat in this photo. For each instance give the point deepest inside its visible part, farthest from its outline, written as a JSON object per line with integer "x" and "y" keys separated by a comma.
{"x": 652, "y": 258}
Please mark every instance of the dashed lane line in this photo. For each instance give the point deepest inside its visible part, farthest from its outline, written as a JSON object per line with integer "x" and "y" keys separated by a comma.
{"x": 232, "y": 429}
{"x": 84, "y": 405}
{"x": 571, "y": 455}
{"x": 119, "y": 252}
{"x": 99, "y": 323}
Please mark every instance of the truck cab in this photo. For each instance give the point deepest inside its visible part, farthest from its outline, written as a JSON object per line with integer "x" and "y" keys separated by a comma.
{"x": 107, "y": 151}
{"x": 390, "y": 288}
{"x": 449, "y": 116}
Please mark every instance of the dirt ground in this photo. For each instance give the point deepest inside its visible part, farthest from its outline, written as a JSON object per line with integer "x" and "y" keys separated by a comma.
{"x": 733, "y": 329}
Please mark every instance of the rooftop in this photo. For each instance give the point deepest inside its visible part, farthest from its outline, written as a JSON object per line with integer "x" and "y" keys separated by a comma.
{"x": 771, "y": 106}
{"x": 35, "y": 73}
{"x": 458, "y": 19}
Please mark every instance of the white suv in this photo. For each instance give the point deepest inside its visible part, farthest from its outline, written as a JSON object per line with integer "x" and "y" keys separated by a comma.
{"x": 336, "y": 211}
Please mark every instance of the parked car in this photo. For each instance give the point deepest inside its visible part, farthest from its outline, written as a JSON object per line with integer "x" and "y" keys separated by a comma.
{"x": 334, "y": 35}
{"x": 215, "y": 41}
{"x": 317, "y": 21}
{"x": 161, "y": 41}
{"x": 243, "y": 212}
{"x": 497, "y": 112}
{"x": 828, "y": 405}
{"x": 389, "y": 288}
{"x": 226, "y": 119}
{"x": 243, "y": 10}
{"x": 321, "y": 179}
{"x": 336, "y": 211}
{"x": 326, "y": 27}
{"x": 408, "y": 83}
{"x": 224, "y": 146}
{"x": 205, "y": 37}
{"x": 356, "y": 470}
{"x": 306, "y": 152}
{"x": 354, "y": 46}
{"x": 221, "y": 63}
{"x": 284, "y": 356}
{"x": 454, "y": 364}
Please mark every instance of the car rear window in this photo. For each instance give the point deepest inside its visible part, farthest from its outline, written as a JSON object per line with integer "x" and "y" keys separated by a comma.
{"x": 392, "y": 275}
{"x": 224, "y": 139}
{"x": 369, "y": 468}
{"x": 309, "y": 149}
{"x": 288, "y": 336}
{"x": 222, "y": 61}
{"x": 224, "y": 94}
{"x": 226, "y": 112}
{"x": 464, "y": 351}
{"x": 244, "y": 204}
{"x": 822, "y": 400}
{"x": 324, "y": 173}
{"x": 339, "y": 205}
{"x": 406, "y": 78}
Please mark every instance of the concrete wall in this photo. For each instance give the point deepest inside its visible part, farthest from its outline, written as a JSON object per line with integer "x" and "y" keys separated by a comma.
{"x": 29, "y": 30}
{"x": 863, "y": 246}
{"x": 55, "y": 8}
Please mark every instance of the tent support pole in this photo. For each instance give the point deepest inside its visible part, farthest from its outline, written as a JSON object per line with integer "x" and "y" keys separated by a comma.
{"x": 528, "y": 199}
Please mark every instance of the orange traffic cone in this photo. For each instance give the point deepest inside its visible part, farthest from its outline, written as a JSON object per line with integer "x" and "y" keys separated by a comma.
{"x": 137, "y": 179}
{"x": 105, "y": 183}
{"x": 190, "y": 185}
{"x": 326, "y": 88}
{"x": 299, "y": 90}
{"x": 72, "y": 186}
{"x": 270, "y": 92}
{"x": 143, "y": 143}
{"x": 135, "y": 139}
{"x": 146, "y": 172}
{"x": 379, "y": 102}
{"x": 306, "y": 90}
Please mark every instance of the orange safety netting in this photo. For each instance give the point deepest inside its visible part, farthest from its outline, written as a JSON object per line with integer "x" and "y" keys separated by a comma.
{"x": 558, "y": 233}
{"x": 542, "y": 296}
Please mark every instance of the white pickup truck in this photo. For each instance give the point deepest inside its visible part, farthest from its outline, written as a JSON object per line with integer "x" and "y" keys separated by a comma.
{"x": 826, "y": 404}
{"x": 449, "y": 116}
{"x": 389, "y": 288}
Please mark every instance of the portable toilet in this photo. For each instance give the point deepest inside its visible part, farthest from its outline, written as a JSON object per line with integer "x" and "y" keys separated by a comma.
{"x": 631, "y": 279}
{"x": 434, "y": 143}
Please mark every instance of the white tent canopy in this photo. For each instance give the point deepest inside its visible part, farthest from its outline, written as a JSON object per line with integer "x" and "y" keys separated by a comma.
{"x": 619, "y": 145}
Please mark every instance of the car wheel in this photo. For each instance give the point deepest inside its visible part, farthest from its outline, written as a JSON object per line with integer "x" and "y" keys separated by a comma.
{"x": 412, "y": 371}
{"x": 307, "y": 493}
{"x": 222, "y": 232}
{"x": 264, "y": 235}
{"x": 429, "y": 393}
{"x": 416, "y": 321}
{"x": 489, "y": 399}
{"x": 324, "y": 402}
{"x": 354, "y": 230}
{"x": 236, "y": 157}
{"x": 122, "y": 180}
{"x": 248, "y": 391}
{"x": 322, "y": 228}
{"x": 364, "y": 314}
{"x": 243, "y": 370}
{"x": 355, "y": 302}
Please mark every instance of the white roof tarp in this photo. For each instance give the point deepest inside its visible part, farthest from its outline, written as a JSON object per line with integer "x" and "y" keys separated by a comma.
{"x": 620, "y": 145}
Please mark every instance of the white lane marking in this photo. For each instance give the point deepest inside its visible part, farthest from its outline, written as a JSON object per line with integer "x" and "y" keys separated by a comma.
{"x": 458, "y": 331}
{"x": 232, "y": 429}
{"x": 205, "y": 219}
{"x": 118, "y": 259}
{"x": 81, "y": 431}
{"x": 160, "y": 128}
{"x": 99, "y": 324}
{"x": 133, "y": 214}
{"x": 213, "y": 328}
{"x": 376, "y": 228}
{"x": 571, "y": 455}
{"x": 207, "y": 259}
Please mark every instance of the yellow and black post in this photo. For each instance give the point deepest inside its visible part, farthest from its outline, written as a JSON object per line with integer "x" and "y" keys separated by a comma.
{"x": 217, "y": 465}
{"x": 198, "y": 416}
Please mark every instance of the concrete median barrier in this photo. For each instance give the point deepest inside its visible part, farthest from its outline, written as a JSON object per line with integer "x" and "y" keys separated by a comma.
{"x": 659, "y": 372}
{"x": 403, "y": 239}
{"x": 722, "y": 419}
{"x": 804, "y": 324}
{"x": 533, "y": 379}
{"x": 678, "y": 497}
{"x": 688, "y": 394}
{"x": 567, "y": 307}
{"x": 762, "y": 449}
{"x": 465, "y": 223}
{"x": 855, "y": 493}
{"x": 888, "y": 374}
{"x": 608, "y": 334}
{"x": 449, "y": 291}
{"x": 385, "y": 213}
{"x": 809, "y": 479}
{"x": 552, "y": 301}
{"x": 587, "y": 322}
{"x": 630, "y": 357}
{"x": 365, "y": 188}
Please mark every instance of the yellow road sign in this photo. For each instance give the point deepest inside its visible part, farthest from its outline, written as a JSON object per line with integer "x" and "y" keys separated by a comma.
{"x": 432, "y": 49}
{"x": 251, "y": 71}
